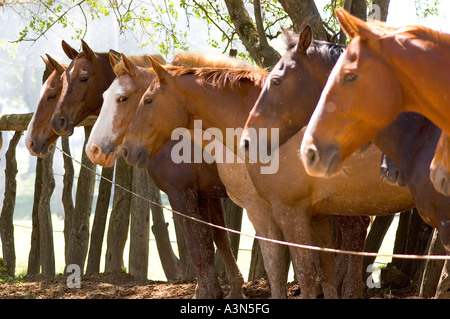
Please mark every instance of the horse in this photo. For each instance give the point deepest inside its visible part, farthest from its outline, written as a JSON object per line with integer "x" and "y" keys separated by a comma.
{"x": 184, "y": 191}
{"x": 222, "y": 99}
{"x": 39, "y": 134}
{"x": 383, "y": 72}
{"x": 408, "y": 142}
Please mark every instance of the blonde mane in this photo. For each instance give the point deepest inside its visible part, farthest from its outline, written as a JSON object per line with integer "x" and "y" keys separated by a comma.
{"x": 138, "y": 60}
{"x": 218, "y": 70}
{"x": 415, "y": 30}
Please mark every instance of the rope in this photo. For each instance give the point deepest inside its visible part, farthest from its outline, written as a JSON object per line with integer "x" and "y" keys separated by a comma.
{"x": 281, "y": 242}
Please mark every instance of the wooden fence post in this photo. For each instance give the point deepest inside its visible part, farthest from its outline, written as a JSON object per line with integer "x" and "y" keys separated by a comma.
{"x": 433, "y": 268}
{"x": 140, "y": 226}
{"x": 169, "y": 261}
{"x": 34, "y": 261}
{"x": 99, "y": 224}
{"x": 79, "y": 234}
{"x": 120, "y": 217}
{"x": 233, "y": 219}
{"x": 46, "y": 247}
{"x": 9, "y": 202}
{"x": 67, "y": 193}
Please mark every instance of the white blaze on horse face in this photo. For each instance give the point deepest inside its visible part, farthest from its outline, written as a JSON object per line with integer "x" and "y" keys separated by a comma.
{"x": 30, "y": 125}
{"x": 103, "y": 130}
{"x": 322, "y": 106}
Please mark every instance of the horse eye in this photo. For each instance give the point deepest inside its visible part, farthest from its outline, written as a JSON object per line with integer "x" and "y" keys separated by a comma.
{"x": 148, "y": 101}
{"x": 350, "y": 77}
{"x": 122, "y": 99}
{"x": 84, "y": 79}
{"x": 51, "y": 97}
{"x": 276, "y": 81}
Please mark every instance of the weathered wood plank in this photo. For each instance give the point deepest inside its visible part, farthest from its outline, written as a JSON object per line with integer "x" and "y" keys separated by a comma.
{"x": 19, "y": 122}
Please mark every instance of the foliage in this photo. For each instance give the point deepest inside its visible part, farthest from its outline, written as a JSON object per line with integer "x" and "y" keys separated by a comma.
{"x": 4, "y": 276}
{"x": 153, "y": 20}
{"x": 156, "y": 21}
{"x": 426, "y": 8}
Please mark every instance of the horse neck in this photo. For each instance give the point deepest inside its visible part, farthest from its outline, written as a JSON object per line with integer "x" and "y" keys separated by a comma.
{"x": 220, "y": 108}
{"x": 407, "y": 137}
{"x": 420, "y": 73}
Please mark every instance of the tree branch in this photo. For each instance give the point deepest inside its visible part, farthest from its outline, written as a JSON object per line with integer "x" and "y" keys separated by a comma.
{"x": 266, "y": 56}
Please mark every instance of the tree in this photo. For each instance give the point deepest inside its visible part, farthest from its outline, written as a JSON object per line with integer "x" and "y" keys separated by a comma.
{"x": 248, "y": 25}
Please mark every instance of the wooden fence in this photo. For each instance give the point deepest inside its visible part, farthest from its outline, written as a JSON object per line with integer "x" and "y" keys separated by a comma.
{"x": 131, "y": 215}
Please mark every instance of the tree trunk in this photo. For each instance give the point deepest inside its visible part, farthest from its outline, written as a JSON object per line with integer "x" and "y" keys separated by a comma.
{"x": 384, "y": 8}
{"x": 305, "y": 11}
{"x": 140, "y": 227}
{"x": 169, "y": 260}
{"x": 99, "y": 223}
{"x": 79, "y": 234}
{"x": 9, "y": 202}
{"x": 120, "y": 217}
{"x": 260, "y": 51}
{"x": 46, "y": 247}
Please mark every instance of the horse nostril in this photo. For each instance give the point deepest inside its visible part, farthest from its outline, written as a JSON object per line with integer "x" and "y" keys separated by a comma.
{"x": 32, "y": 143}
{"x": 311, "y": 155}
{"x": 95, "y": 150}
{"x": 62, "y": 121}
{"x": 124, "y": 152}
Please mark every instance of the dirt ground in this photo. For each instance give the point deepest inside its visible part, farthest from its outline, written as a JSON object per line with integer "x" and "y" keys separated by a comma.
{"x": 123, "y": 286}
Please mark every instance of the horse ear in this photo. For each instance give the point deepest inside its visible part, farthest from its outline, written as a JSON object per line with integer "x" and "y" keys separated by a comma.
{"x": 113, "y": 59}
{"x": 56, "y": 65}
{"x": 130, "y": 66}
{"x": 70, "y": 52}
{"x": 353, "y": 26}
{"x": 48, "y": 64}
{"x": 305, "y": 39}
{"x": 87, "y": 50}
{"x": 162, "y": 74}
{"x": 346, "y": 22}
{"x": 290, "y": 39}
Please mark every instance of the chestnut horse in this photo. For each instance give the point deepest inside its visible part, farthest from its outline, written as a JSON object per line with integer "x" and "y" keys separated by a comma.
{"x": 40, "y": 134}
{"x": 222, "y": 99}
{"x": 183, "y": 186}
{"x": 384, "y": 71}
{"x": 409, "y": 141}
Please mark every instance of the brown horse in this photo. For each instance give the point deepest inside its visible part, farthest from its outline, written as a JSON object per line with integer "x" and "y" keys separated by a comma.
{"x": 410, "y": 140}
{"x": 39, "y": 134}
{"x": 183, "y": 188}
{"x": 384, "y": 71}
{"x": 222, "y": 99}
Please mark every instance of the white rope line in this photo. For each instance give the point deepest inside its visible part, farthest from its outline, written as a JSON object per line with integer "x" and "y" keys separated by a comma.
{"x": 281, "y": 242}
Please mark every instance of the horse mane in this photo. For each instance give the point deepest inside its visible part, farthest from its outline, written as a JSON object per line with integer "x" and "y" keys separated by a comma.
{"x": 218, "y": 70}
{"x": 138, "y": 60}
{"x": 415, "y": 30}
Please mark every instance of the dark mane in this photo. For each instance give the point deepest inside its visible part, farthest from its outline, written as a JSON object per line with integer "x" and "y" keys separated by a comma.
{"x": 327, "y": 49}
